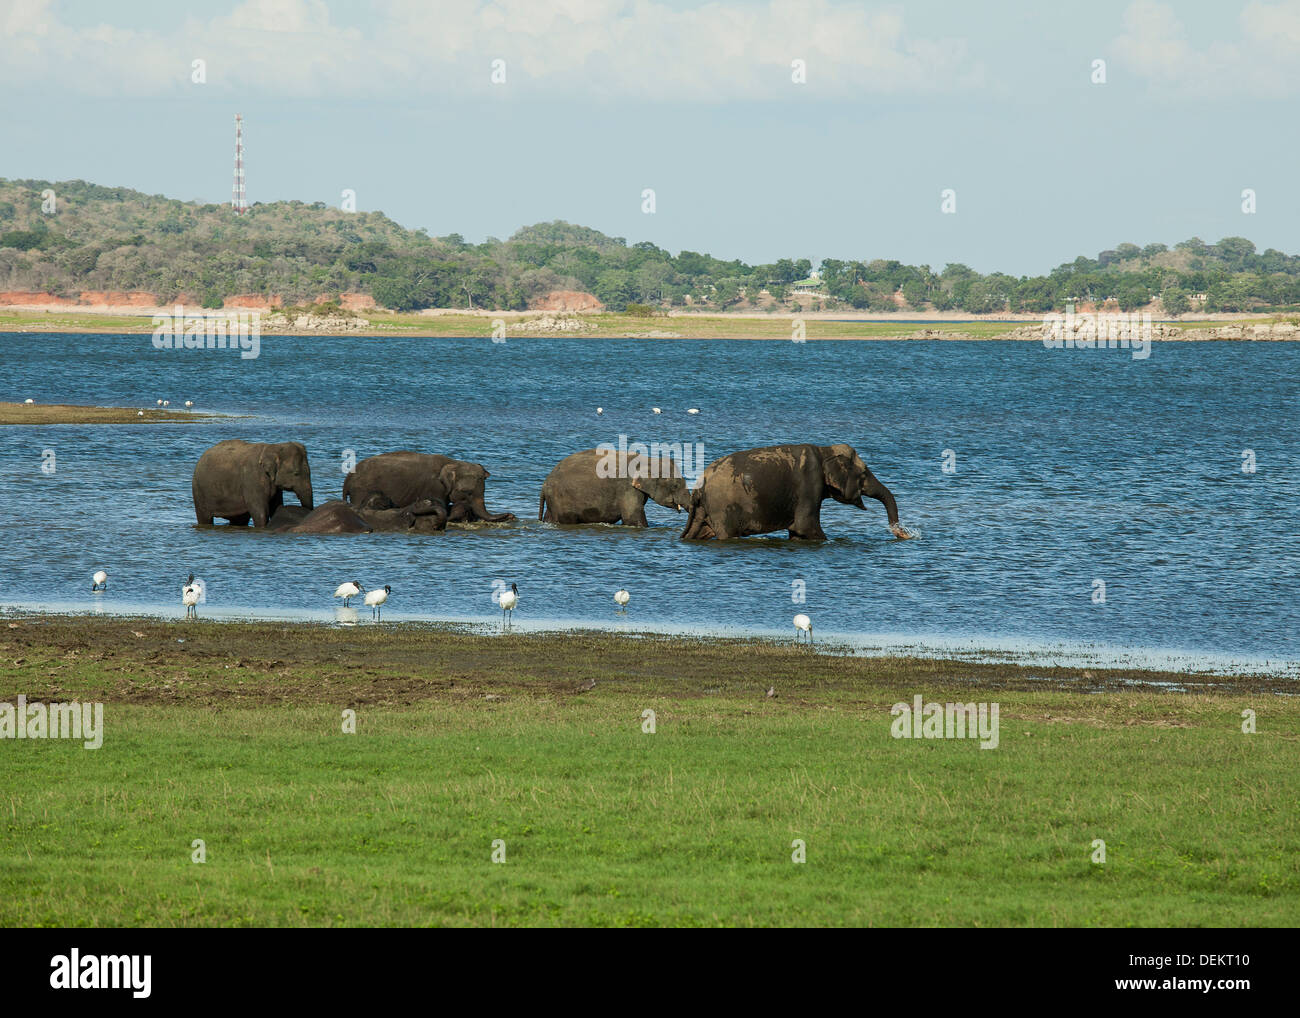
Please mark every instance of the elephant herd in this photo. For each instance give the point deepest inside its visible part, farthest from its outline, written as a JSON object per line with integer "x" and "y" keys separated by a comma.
{"x": 757, "y": 491}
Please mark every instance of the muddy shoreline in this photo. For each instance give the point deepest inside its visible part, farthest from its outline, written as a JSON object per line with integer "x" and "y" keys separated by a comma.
{"x": 143, "y": 660}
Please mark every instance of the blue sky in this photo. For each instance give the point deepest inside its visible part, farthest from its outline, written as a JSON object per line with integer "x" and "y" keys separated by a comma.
{"x": 604, "y": 98}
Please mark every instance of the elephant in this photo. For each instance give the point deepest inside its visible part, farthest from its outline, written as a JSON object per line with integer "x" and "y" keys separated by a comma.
{"x": 332, "y": 517}
{"x": 781, "y": 487}
{"x": 287, "y": 517}
{"x": 428, "y": 516}
{"x": 241, "y": 481}
{"x": 392, "y": 480}
{"x": 599, "y": 486}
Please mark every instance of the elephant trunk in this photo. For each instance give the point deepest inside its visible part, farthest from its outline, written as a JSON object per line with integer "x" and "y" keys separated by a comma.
{"x": 872, "y": 488}
{"x": 885, "y": 496}
{"x": 303, "y": 491}
{"x": 479, "y": 508}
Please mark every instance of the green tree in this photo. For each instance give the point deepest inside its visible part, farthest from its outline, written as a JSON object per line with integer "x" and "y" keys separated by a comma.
{"x": 1175, "y": 301}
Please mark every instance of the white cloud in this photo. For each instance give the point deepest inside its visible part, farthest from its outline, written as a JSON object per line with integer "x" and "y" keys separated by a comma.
{"x": 1263, "y": 62}
{"x": 640, "y": 49}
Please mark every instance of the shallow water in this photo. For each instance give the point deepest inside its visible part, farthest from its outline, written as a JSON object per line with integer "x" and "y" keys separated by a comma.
{"x": 1071, "y": 466}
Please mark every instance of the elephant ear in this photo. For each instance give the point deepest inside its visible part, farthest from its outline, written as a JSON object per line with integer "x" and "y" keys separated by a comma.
{"x": 269, "y": 461}
{"x": 447, "y": 478}
{"x": 840, "y": 470}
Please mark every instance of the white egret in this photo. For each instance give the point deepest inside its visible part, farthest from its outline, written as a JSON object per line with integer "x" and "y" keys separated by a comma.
{"x": 802, "y": 623}
{"x": 621, "y": 598}
{"x": 99, "y": 581}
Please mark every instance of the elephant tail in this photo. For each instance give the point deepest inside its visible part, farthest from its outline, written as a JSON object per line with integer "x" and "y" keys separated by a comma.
{"x": 541, "y": 505}
{"x": 347, "y": 487}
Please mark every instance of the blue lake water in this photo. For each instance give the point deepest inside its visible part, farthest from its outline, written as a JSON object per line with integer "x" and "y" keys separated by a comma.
{"x": 1072, "y": 466}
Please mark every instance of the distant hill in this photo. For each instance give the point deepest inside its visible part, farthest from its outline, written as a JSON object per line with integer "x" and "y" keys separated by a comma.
{"x": 118, "y": 239}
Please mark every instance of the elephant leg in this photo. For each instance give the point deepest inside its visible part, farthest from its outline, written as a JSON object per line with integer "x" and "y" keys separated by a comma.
{"x": 807, "y": 526}
{"x": 698, "y": 526}
{"x": 257, "y": 501}
{"x": 632, "y": 511}
{"x": 431, "y": 511}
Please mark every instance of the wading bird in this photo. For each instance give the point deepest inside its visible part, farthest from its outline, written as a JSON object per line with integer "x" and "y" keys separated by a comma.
{"x": 599, "y": 410}
{"x": 190, "y": 597}
{"x": 802, "y": 623}
{"x": 159, "y": 402}
{"x": 507, "y": 599}
{"x": 621, "y": 598}
{"x": 99, "y": 581}
{"x": 348, "y": 590}
{"x": 189, "y": 404}
{"x": 655, "y": 410}
{"x": 693, "y": 410}
{"x": 375, "y": 601}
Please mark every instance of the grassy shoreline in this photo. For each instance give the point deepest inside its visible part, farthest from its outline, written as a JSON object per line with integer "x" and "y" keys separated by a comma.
{"x": 64, "y": 413}
{"x": 603, "y": 325}
{"x": 231, "y": 733}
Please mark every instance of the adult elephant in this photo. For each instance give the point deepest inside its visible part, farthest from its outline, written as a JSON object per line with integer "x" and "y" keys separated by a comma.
{"x": 599, "y": 486}
{"x": 394, "y": 480}
{"x": 782, "y": 487}
{"x": 242, "y": 481}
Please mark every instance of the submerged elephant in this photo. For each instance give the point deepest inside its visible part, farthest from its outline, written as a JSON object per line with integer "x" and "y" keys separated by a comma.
{"x": 287, "y": 517}
{"x": 600, "y": 486}
{"x": 428, "y": 516}
{"x": 393, "y": 480}
{"x": 332, "y": 517}
{"x": 337, "y": 517}
{"x": 241, "y": 481}
{"x": 781, "y": 487}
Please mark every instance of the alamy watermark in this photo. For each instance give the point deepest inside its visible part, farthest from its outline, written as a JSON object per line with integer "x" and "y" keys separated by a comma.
{"x": 1116, "y": 330}
{"x": 75, "y": 971}
{"x": 215, "y": 330}
{"x": 946, "y": 721}
{"x": 657, "y": 459}
{"x": 25, "y": 720}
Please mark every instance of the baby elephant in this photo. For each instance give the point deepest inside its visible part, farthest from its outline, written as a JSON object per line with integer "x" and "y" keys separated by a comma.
{"x": 606, "y": 486}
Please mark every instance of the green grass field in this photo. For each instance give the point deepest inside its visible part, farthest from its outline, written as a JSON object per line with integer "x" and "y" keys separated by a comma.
{"x": 235, "y": 737}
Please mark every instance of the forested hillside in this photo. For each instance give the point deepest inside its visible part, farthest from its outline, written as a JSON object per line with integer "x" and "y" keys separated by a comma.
{"x": 117, "y": 239}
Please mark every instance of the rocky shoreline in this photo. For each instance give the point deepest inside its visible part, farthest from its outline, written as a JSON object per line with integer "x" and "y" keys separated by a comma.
{"x": 1263, "y": 332}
